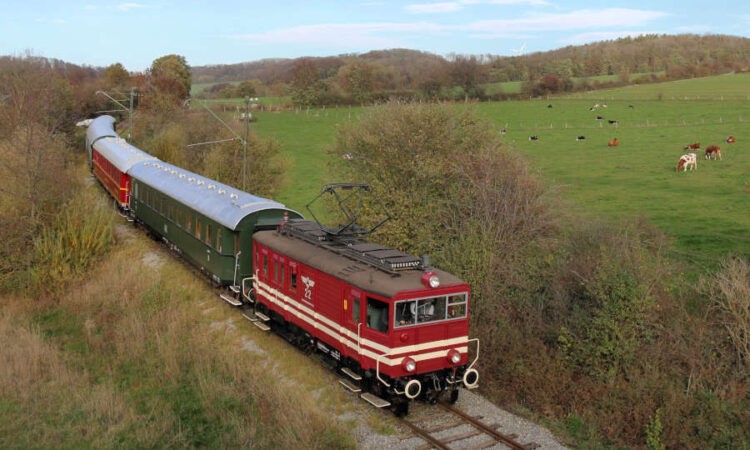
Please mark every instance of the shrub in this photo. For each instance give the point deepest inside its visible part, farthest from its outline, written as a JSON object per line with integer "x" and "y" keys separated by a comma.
{"x": 730, "y": 293}
{"x": 68, "y": 246}
{"x": 611, "y": 276}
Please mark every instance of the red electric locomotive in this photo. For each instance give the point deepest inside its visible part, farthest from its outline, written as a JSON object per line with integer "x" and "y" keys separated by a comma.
{"x": 396, "y": 328}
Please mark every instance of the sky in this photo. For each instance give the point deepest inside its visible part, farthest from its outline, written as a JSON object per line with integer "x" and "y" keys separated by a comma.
{"x": 209, "y": 32}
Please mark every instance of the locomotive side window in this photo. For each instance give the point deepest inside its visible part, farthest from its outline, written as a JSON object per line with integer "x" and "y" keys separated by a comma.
{"x": 377, "y": 315}
{"x": 355, "y": 310}
{"x": 265, "y": 265}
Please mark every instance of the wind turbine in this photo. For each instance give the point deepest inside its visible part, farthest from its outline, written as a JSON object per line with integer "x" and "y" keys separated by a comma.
{"x": 520, "y": 50}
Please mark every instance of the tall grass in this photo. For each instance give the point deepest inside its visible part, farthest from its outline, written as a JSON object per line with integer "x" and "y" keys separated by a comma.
{"x": 144, "y": 355}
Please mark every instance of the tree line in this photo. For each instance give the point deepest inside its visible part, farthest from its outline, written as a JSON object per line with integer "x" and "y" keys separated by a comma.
{"x": 387, "y": 74}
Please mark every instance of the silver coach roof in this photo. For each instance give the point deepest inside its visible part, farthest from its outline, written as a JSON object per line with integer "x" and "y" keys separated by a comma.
{"x": 101, "y": 135}
{"x": 217, "y": 201}
{"x": 100, "y": 127}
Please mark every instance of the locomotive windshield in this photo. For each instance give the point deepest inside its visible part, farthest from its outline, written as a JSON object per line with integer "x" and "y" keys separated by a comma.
{"x": 430, "y": 309}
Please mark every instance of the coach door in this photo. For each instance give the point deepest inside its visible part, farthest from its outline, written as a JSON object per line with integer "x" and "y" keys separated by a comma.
{"x": 352, "y": 318}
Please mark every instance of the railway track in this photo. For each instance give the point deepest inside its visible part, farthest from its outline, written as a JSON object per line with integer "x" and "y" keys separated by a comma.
{"x": 450, "y": 428}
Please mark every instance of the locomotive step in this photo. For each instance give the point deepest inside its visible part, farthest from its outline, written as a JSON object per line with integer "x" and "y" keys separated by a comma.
{"x": 351, "y": 374}
{"x": 349, "y": 385}
{"x": 235, "y": 289}
{"x": 230, "y": 300}
{"x": 249, "y": 317}
{"x": 261, "y": 325}
{"x": 262, "y": 316}
{"x": 375, "y": 400}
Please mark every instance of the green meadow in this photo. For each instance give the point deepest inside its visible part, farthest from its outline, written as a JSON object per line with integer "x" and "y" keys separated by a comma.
{"x": 706, "y": 211}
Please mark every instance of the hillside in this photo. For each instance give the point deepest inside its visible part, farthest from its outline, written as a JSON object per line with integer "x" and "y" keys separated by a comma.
{"x": 672, "y": 56}
{"x": 270, "y": 71}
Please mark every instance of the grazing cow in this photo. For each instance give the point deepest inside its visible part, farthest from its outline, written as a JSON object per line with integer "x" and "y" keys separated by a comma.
{"x": 599, "y": 118}
{"x": 731, "y": 140}
{"x": 534, "y": 138}
{"x": 695, "y": 146}
{"x": 613, "y": 143}
{"x": 581, "y": 138}
{"x": 687, "y": 162}
{"x": 612, "y": 122}
{"x": 503, "y": 131}
{"x": 713, "y": 151}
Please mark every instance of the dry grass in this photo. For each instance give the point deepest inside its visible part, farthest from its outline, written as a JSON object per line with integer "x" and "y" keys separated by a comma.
{"x": 144, "y": 355}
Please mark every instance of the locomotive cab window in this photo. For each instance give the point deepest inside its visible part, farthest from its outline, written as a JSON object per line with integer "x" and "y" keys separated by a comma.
{"x": 430, "y": 309}
{"x": 457, "y": 306}
{"x": 377, "y": 315}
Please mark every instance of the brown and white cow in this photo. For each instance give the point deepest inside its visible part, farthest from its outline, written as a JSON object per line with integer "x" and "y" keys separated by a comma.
{"x": 613, "y": 143}
{"x": 731, "y": 140}
{"x": 687, "y": 162}
{"x": 713, "y": 151}
{"x": 695, "y": 146}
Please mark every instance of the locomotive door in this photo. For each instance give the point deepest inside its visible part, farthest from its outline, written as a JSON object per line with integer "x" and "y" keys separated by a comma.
{"x": 352, "y": 319}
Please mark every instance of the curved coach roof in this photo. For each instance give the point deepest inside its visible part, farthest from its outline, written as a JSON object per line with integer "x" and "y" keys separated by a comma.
{"x": 101, "y": 127}
{"x": 217, "y": 201}
{"x": 101, "y": 135}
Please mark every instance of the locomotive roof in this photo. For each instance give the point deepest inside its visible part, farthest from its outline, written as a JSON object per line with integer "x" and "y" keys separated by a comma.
{"x": 102, "y": 136}
{"x": 217, "y": 201}
{"x": 355, "y": 272}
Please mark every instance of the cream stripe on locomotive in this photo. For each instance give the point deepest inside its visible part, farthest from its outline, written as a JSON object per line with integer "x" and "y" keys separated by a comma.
{"x": 349, "y": 339}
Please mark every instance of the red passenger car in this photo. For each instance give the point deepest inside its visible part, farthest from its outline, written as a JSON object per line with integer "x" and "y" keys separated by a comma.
{"x": 396, "y": 328}
{"x": 111, "y": 157}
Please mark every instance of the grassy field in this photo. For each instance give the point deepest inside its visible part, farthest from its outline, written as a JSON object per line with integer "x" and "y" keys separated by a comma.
{"x": 706, "y": 211}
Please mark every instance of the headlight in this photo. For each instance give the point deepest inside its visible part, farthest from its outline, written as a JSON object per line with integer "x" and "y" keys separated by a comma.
{"x": 429, "y": 279}
{"x": 409, "y": 365}
{"x": 454, "y": 356}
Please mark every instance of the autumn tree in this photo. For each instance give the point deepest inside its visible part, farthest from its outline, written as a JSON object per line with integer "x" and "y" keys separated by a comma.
{"x": 115, "y": 75}
{"x": 35, "y": 113}
{"x": 468, "y": 72}
{"x": 358, "y": 80}
{"x": 171, "y": 75}
{"x": 247, "y": 88}
{"x": 308, "y": 87}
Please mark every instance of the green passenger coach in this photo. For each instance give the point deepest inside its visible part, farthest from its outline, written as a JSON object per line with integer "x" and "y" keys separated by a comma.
{"x": 209, "y": 223}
